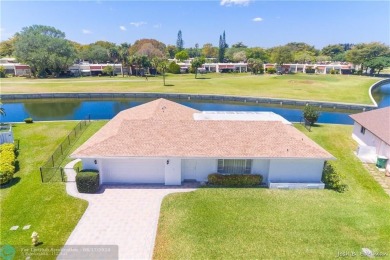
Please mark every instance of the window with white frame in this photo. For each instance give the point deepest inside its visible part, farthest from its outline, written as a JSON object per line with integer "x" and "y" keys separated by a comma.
{"x": 234, "y": 166}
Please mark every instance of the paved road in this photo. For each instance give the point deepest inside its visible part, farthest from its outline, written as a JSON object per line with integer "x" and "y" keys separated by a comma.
{"x": 126, "y": 216}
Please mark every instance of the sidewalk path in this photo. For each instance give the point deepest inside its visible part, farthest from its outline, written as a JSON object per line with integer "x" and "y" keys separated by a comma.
{"x": 126, "y": 216}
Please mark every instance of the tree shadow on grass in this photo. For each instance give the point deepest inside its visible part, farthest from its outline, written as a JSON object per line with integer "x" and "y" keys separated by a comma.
{"x": 203, "y": 78}
{"x": 316, "y": 125}
{"x": 169, "y": 85}
{"x": 11, "y": 183}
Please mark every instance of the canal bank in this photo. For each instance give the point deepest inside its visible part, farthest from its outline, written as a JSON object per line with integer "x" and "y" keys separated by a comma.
{"x": 78, "y": 106}
{"x": 218, "y": 98}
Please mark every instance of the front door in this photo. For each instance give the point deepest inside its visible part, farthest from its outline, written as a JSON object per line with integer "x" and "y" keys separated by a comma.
{"x": 189, "y": 169}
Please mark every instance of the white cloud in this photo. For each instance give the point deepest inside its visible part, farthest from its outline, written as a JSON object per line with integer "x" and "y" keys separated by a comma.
{"x": 2, "y": 29}
{"x": 85, "y": 31}
{"x": 137, "y": 24}
{"x": 257, "y": 19}
{"x": 122, "y": 28}
{"x": 235, "y": 2}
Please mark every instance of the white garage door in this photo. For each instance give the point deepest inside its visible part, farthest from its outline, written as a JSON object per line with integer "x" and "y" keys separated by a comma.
{"x": 133, "y": 171}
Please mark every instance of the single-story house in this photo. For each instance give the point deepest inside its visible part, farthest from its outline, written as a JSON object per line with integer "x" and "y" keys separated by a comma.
{"x": 165, "y": 142}
{"x": 371, "y": 130}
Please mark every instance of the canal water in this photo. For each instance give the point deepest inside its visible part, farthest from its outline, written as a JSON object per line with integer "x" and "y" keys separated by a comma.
{"x": 78, "y": 109}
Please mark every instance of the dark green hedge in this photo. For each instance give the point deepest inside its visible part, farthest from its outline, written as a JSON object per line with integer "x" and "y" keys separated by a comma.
{"x": 87, "y": 181}
{"x": 236, "y": 180}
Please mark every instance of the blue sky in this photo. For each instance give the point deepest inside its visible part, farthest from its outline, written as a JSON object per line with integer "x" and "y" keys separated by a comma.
{"x": 255, "y": 23}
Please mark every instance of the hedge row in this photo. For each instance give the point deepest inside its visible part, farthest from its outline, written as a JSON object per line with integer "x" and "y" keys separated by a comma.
{"x": 7, "y": 162}
{"x": 236, "y": 180}
{"x": 87, "y": 181}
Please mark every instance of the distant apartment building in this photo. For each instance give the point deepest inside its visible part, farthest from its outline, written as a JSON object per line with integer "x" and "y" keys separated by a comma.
{"x": 11, "y": 66}
{"x": 318, "y": 68}
{"x": 212, "y": 66}
{"x": 89, "y": 69}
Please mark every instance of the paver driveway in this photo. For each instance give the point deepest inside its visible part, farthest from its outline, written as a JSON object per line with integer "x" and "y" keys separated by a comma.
{"x": 126, "y": 216}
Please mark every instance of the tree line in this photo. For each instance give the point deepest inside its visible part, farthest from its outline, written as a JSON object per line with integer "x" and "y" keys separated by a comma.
{"x": 46, "y": 50}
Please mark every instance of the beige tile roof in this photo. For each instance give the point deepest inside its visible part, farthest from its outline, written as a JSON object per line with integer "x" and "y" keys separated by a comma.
{"x": 163, "y": 128}
{"x": 376, "y": 121}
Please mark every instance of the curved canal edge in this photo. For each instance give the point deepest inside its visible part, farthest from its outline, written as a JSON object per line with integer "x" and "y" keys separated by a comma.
{"x": 374, "y": 87}
{"x": 205, "y": 97}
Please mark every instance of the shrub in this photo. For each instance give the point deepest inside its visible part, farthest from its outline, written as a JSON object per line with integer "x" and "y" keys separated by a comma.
{"x": 7, "y": 162}
{"x": 333, "y": 179}
{"x": 87, "y": 181}
{"x": 174, "y": 68}
{"x": 311, "y": 114}
{"x": 28, "y": 120}
{"x": 2, "y": 72}
{"x": 310, "y": 70}
{"x": 236, "y": 180}
{"x": 271, "y": 70}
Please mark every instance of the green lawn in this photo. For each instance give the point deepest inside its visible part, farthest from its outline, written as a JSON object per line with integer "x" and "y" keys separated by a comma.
{"x": 333, "y": 88}
{"x": 27, "y": 201}
{"x": 222, "y": 223}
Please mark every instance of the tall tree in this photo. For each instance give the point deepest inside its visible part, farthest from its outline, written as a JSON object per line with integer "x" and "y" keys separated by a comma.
{"x": 123, "y": 55}
{"x": 171, "y": 51}
{"x": 281, "y": 55}
{"x": 148, "y": 47}
{"x": 332, "y": 50}
{"x": 7, "y": 47}
{"x": 209, "y": 51}
{"x": 363, "y": 53}
{"x": 182, "y": 55}
{"x": 222, "y": 47}
{"x": 377, "y": 64}
{"x": 44, "y": 48}
{"x": 179, "y": 41}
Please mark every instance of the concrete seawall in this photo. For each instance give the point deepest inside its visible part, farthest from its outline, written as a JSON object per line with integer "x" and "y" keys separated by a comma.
{"x": 215, "y": 98}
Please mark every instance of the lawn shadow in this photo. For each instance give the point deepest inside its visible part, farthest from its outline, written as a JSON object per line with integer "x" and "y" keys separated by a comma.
{"x": 316, "y": 125}
{"x": 169, "y": 85}
{"x": 203, "y": 78}
{"x": 11, "y": 183}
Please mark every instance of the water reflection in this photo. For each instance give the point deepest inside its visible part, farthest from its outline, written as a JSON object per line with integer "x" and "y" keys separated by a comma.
{"x": 43, "y": 110}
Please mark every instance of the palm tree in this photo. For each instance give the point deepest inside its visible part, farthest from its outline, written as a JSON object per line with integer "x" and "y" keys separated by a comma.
{"x": 123, "y": 55}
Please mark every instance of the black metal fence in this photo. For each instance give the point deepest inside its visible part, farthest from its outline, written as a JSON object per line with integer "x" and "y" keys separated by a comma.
{"x": 52, "y": 171}
{"x": 306, "y": 123}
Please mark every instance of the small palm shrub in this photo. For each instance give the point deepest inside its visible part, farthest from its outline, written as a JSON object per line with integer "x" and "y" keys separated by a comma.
{"x": 311, "y": 114}
{"x": 333, "y": 180}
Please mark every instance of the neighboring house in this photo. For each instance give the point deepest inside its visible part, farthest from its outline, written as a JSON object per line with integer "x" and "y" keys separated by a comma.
{"x": 319, "y": 68}
{"x": 11, "y": 66}
{"x": 165, "y": 142}
{"x": 372, "y": 132}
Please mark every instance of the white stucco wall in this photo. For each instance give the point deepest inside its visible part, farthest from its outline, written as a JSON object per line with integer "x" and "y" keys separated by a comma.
{"x": 368, "y": 138}
{"x": 90, "y": 164}
{"x": 198, "y": 169}
{"x": 132, "y": 170}
{"x": 295, "y": 170}
{"x": 173, "y": 171}
{"x": 261, "y": 166}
